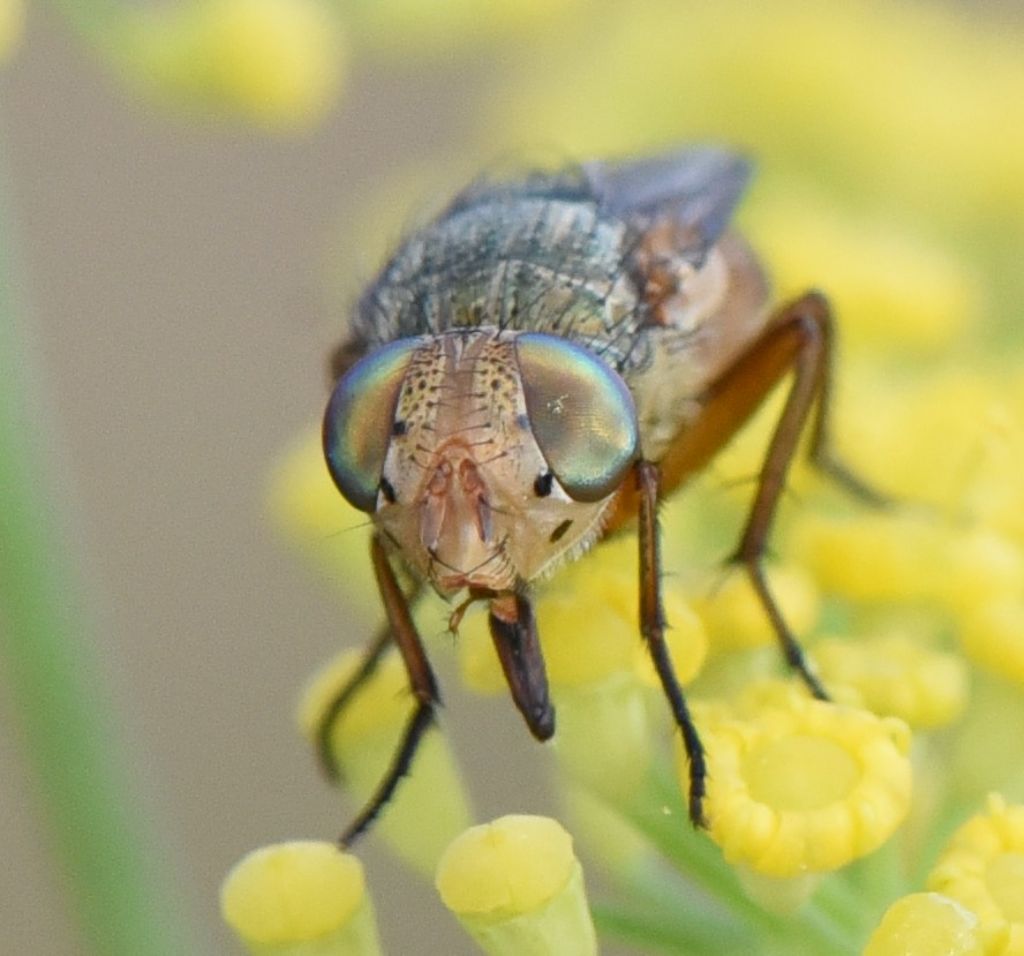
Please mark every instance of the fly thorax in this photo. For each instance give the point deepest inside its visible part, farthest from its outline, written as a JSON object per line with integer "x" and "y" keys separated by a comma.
{"x": 468, "y": 496}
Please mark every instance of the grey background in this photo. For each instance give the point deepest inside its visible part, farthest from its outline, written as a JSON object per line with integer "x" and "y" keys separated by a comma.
{"x": 175, "y": 277}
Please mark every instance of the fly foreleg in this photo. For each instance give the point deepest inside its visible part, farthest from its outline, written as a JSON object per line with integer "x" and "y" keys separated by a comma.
{"x": 652, "y": 626}
{"x": 421, "y": 681}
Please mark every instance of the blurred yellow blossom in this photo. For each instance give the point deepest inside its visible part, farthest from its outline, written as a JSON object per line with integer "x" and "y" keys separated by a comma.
{"x": 926, "y": 924}
{"x": 12, "y": 25}
{"x": 895, "y": 675}
{"x": 908, "y": 101}
{"x": 982, "y": 867}
{"x": 891, "y": 292}
{"x": 414, "y": 30}
{"x": 301, "y": 898}
{"x": 735, "y": 618}
{"x": 431, "y": 807}
{"x": 582, "y": 650}
{"x": 305, "y": 505}
{"x": 275, "y": 62}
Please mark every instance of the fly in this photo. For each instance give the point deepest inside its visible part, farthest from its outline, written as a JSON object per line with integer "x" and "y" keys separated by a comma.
{"x": 534, "y": 370}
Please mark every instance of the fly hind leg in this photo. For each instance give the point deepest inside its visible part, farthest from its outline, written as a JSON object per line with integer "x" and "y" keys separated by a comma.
{"x": 799, "y": 340}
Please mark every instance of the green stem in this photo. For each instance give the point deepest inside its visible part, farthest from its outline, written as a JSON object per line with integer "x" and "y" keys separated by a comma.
{"x": 660, "y": 932}
{"x": 82, "y": 785}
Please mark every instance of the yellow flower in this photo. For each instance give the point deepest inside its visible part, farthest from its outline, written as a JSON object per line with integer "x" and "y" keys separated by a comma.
{"x": 735, "y": 618}
{"x": 516, "y": 887}
{"x": 890, "y": 292}
{"x": 430, "y": 805}
{"x": 584, "y": 646}
{"x": 927, "y": 924}
{"x": 906, "y": 100}
{"x": 982, "y": 867}
{"x": 804, "y": 786}
{"x": 873, "y": 557}
{"x": 895, "y": 675}
{"x": 12, "y": 25}
{"x": 301, "y": 898}
{"x": 276, "y": 62}
{"x": 307, "y": 507}
{"x": 993, "y": 636}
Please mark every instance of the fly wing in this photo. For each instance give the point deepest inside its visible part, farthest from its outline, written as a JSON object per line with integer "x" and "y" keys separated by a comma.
{"x": 695, "y": 189}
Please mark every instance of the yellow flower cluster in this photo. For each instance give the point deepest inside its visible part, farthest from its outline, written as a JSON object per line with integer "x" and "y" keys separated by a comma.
{"x": 912, "y": 615}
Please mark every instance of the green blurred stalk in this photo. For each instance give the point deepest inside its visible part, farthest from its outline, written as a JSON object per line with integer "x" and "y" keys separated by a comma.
{"x": 113, "y": 872}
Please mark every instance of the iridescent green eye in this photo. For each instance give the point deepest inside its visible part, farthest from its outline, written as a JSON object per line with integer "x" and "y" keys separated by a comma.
{"x": 581, "y": 414}
{"x": 359, "y": 420}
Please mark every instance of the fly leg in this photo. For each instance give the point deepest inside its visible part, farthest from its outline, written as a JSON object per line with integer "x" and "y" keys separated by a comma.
{"x": 332, "y": 712}
{"x": 652, "y": 626}
{"x": 798, "y": 340}
{"x": 372, "y": 655}
{"x": 421, "y": 682}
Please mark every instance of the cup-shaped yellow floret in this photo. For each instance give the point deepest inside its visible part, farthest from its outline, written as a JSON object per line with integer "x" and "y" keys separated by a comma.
{"x": 516, "y": 887}
{"x": 927, "y": 924}
{"x": 895, "y": 675}
{"x": 303, "y": 898}
{"x": 430, "y": 806}
{"x": 804, "y": 786}
{"x": 982, "y": 867}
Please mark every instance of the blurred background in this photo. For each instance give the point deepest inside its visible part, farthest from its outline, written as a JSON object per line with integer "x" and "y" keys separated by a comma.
{"x": 193, "y": 193}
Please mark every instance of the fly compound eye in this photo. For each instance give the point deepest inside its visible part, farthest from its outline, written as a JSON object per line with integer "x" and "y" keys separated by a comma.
{"x": 581, "y": 414}
{"x": 359, "y": 420}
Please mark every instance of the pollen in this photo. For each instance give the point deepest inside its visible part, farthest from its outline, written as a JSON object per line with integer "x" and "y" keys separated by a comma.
{"x": 282, "y": 896}
{"x": 804, "y": 786}
{"x": 982, "y": 867}
{"x": 895, "y": 675}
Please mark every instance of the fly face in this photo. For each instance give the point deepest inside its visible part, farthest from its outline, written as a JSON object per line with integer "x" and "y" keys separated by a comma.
{"x": 484, "y": 455}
